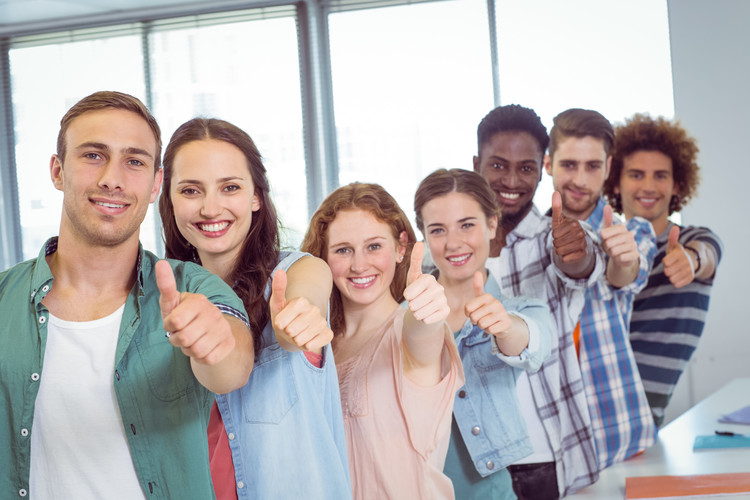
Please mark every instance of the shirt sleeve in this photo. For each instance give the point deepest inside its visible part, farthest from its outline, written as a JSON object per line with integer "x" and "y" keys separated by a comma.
{"x": 536, "y": 314}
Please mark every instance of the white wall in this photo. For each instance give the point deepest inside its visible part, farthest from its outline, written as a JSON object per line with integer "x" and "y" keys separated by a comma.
{"x": 711, "y": 73}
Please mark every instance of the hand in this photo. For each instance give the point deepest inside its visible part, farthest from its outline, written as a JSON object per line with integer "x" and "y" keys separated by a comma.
{"x": 568, "y": 236}
{"x": 678, "y": 266}
{"x": 297, "y": 321}
{"x": 425, "y": 295}
{"x": 486, "y": 311}
{"x": 618, "y": 242}
{"x": 196, "y": 326}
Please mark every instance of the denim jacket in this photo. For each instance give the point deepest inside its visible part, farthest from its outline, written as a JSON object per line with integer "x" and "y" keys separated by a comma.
{"x": 486, "y": 408}
{"x": 285, "y": 426}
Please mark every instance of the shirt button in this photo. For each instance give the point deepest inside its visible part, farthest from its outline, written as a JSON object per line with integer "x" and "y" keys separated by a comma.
{"x": 24, "y": 432}
{"x": 42, "y": 319}
{"x": 461, "y": 394}
{"x": 45, "y": 288}
{"x": 34, "y": 377}
{"x": 490, "y": 465}
{"x": 230, "y": 436}
{"x": 22, "y": 492}
{"x": 240, "y": 484}
{"x": 475, "y": 430}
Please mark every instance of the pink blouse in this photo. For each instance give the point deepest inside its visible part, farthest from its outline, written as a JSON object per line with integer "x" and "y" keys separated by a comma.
{"x": 397, "y": 432}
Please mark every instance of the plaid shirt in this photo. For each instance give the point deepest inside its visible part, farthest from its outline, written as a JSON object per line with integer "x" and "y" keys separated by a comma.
{"x": 620, "y": 414}
{"x": 526, "y": 267}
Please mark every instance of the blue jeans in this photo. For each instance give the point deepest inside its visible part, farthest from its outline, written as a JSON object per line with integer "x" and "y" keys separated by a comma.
{"x": 535, "y": 481}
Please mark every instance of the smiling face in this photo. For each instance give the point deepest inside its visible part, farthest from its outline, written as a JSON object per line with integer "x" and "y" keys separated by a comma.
{"x": 579, "y": 168}
{"x": 214, "y": 198}
{"x": 362, "y": 254}
{"x": 511, "y": 162}
{"x": 107, "y": 177}
{"x": 458, "y": 234}
{"x": 646, "y": 187}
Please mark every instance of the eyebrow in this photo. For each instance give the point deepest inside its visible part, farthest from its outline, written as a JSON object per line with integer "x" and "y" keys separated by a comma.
{"x": 104, "y": 147}
{"x": 196, "y": 181}
{"x": 471, "y": 217}
{"x": 368, "y": 240}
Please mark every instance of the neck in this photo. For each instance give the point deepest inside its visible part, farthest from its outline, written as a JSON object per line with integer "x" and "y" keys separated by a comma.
{"x": 367, "y": 317}
{"x": 660, "y": 225}
{"x": 221, "y": 265}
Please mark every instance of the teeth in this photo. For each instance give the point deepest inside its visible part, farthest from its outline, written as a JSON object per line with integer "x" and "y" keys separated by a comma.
{"x": 510, "y": 196}
{"x": 460, "y": 258}
{"x": 362, "y": 281}
{"x": 108, "y": 205}
{"x": 212, "y": 228}
{"x": 648, "y": 200}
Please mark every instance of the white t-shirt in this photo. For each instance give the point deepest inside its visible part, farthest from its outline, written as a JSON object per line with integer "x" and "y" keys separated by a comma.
{"x": 78, "y": 444}
{"x": 542, "y": 450}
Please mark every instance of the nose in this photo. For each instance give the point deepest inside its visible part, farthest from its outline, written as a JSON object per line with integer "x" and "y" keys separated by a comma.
{"x": 358, "y": 263}
{"x": 648, "y": 183}
{"x": 110, "y": 176}
{"x": 579, "y": 179}
{"x": 452, "y": 241}
{"x": 211, "y": 207}
{"x": 510, "y": 179}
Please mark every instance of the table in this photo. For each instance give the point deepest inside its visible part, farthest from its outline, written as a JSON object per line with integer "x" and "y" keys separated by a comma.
{"x": 673, "y": 453}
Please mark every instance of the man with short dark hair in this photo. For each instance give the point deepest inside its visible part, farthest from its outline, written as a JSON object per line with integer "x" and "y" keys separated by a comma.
{"x": 654, "y": 174}
{"x": 554, "y": 259}
{"x": 111, "y": 356}
{"x": 579, "y": 162}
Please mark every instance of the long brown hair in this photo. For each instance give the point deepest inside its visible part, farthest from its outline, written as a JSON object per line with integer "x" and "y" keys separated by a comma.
{"x": 260, "y": 251}
{"x": 371, "y": 198}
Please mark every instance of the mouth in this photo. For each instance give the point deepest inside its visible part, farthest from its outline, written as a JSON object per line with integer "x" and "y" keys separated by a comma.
{"x": 459, "y": 260}
{"x": 647, "y": 202}
{"x": 577, "y": 193}
{"x": 213, "y": 229}
{"x": 109, "y": 207}
{"x": 362, "y": 282}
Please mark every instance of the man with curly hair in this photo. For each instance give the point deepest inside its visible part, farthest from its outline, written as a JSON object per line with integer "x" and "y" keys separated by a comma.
{"x": 579, "y": 162}
{"x": 654, "y": 174}
{"x": 553, "y": 258}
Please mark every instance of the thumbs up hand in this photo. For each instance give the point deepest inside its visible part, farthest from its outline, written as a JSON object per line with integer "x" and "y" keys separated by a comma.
{"x": 486, "y": 311}
{"x": 191, "y": 321}
{"x": 618, "y": 242}
{"x": 568, "y": 236}
{"x": 296, "y": 322}
{"x": 426, "y": 297}
{"x": 678, "y": 264}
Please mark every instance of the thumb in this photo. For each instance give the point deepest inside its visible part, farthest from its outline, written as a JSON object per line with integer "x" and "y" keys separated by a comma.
{"x": 607, "y": 216}
{"x": 673, "y": 241}
{"x": 478, "y": 283}
{"x": 557, "y": 216}
{"x": 415, "y": 267}
{"x": 277, "y": 302}
{"x": 169, "y": 297}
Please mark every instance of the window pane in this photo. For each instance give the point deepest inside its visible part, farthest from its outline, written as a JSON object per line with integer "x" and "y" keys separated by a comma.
{"x": 45, "y": 82}
{"x": 248, "y": 74}
{"x": 557, "y": 55}
{"x": 410, "y": 86}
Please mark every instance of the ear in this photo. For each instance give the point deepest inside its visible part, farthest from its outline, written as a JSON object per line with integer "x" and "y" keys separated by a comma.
{"x": 256, "y": 204}
{"x": 607, "y": 167}
{"x": 403, "y": 242}
{"x": 56, "y": 172}
{"x": 476, "y": 164}
{"x": 548, "y": 164}
{"x": 492, "y": 224}
{"x": 158, "y": 178}
{"x": 675, "y": 189}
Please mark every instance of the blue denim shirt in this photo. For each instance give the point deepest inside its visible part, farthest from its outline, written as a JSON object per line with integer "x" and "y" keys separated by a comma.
{"x": 486, "y": 408}
{"x": 285, "y": 426}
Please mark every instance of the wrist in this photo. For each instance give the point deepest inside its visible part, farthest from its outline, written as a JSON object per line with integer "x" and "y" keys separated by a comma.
{"x": 697, "y": 258}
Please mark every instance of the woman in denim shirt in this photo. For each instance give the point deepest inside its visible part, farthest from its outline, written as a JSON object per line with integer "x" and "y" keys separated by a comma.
{"x": 497, "y": 336}
{"x": 281, "y": 435}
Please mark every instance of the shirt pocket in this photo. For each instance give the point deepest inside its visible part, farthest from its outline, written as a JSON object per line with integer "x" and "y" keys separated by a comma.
{"x": 271, "y": 391}
{"x": 167, "y": 369}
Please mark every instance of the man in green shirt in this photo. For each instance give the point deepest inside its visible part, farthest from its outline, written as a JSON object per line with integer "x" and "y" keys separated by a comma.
{"x": 110, "y": 356}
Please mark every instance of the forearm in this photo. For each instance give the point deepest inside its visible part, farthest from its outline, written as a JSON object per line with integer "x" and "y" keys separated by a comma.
{"x": 233, "y": 371}
{"x": 513, "y": 341}
{"x": 706, "y": 256}
{"x": 620, "y": 276}
{"x": 423, "y": 347}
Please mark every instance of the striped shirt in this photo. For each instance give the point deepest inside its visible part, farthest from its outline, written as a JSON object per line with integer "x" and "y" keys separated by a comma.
{"x": 525, "y": 267}
{"x": 620, "y": 413}
{"x": 667, "y": 322}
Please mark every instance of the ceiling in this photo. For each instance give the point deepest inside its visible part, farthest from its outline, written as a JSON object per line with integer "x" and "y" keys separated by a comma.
{"x": 20, "y": 17}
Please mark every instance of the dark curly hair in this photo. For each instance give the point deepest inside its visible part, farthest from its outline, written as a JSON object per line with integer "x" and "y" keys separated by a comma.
{"x": 644, "y": 133}
{"x": 260, "y": 250}
{"x": 512, "y": 118}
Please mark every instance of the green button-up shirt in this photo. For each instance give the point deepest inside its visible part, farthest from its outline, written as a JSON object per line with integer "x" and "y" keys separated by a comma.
{"x": 164, "y": 409}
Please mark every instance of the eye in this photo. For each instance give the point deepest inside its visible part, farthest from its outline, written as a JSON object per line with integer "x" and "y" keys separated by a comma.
{"x": 342, "y": 251}
{"x": 92, "y": 156}
{"x": 467, "y": 225}
{"x": 188, "y": 191}
{"x": 136, "y": 163}
{"x": 437, "y": 230}
{"x": 566, "y": 165}
{"x": 497, "y": 166}
{"x": 231, "y": 188}
{"x": 374, "y": 246}
{"x": 527, "y": 169}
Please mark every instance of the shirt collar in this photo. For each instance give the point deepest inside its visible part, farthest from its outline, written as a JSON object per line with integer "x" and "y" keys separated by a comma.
{"x": 531, "y": 225}
{"x": 597, "y": 216}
